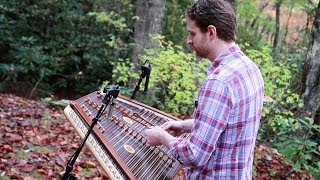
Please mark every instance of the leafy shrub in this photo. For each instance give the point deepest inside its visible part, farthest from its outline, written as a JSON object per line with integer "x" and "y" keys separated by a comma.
{"x": 294, "y": 137}
{"x": 277, "y": 77}
{"x": 59, "y": 45}
{"x": 296, "y": 141}
{"x": 174, "y": 80}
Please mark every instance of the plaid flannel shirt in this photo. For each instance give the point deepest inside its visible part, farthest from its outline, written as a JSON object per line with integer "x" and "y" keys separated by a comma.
{"x": 221, "y": 143}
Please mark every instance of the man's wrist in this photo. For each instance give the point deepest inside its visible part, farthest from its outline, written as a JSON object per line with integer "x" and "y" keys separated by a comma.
{"x": 186, "y": 125}
{"x": 166, "y": 139}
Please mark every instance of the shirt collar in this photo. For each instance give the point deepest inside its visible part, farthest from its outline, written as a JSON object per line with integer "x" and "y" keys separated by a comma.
{"x": 233, "y": 49}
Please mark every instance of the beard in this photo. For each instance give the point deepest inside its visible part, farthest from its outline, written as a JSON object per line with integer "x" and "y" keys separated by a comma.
{"x": 200, "y": 53}
{"x": 201, "y": 49}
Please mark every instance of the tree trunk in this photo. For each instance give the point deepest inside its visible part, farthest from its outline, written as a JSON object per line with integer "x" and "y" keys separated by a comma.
{"x": 287, "y": 24}
{"x": 308, "y": 21}
{"x": 149, "y": 22}
{"x": 261, "y": 8}
{"x": 311, "y": 75}
{"x": 276, "y": 35}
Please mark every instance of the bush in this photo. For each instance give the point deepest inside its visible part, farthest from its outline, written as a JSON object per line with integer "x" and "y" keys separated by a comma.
{"x": 174, "y": 80}
{"x": 294, "y": 137}
{"x": 59, "y": 45}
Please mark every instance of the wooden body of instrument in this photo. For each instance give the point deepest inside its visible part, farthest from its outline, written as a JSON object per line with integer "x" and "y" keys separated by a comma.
{"x": 117, "y": 140}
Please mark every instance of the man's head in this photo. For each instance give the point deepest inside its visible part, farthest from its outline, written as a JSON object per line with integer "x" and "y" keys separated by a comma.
{"x": 218, "y": 13}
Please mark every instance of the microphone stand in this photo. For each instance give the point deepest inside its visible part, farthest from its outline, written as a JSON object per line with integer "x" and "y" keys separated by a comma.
{"x": 111, "y": 93}
{"x": 145, "y": 72}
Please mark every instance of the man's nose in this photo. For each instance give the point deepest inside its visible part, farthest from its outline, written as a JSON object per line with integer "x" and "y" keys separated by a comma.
{"x": 189, "y": 41}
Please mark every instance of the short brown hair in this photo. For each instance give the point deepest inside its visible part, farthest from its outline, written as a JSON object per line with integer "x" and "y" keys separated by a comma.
{"x": 218, "y": 13}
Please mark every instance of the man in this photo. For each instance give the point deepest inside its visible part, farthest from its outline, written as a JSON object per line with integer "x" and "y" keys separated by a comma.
{"x": 229, "y": 104}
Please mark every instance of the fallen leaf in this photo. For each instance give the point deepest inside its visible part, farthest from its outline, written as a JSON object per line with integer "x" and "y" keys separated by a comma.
{"x": 269, "y": 158}
{"x": 27, "y": 168}
{"x": 7, "y": 148}
{"x": 21, "y": 163}
{"x": 55, "y": 113}
{"x": 28, "y": 178}
{"x": 10, "y": 129}
{"x": 90, "y": 164}
{"x": 78, "y": 168}
{"x": 42, "y": 172}
{"x": 59, "y": 161}
{"x": 13, "y": 137}
{"x": 30, "y": 133}
{"x": 34, "y": 155}
{"x": 24, "y": 123}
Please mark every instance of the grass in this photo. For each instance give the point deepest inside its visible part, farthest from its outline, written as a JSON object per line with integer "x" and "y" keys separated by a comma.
{"x": 87, "y": 172}
{"x": 43, "y": 149}
{"x": 33, "y": 174}
{"x": 22, "y": 155}
{"x": 5, "y": 177}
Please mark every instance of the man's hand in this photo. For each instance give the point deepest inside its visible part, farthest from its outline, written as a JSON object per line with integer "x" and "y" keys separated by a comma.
{"x": 156, "y": 136}
{"x": 173, "y": 127}
{"x": 177, "y": 128}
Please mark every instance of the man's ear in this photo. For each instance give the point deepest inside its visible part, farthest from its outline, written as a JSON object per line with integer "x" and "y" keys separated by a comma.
{"x": 212, "y": 32}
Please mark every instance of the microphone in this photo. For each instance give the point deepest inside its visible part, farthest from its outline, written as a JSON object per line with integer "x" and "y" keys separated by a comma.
{"x": 111, "y": 91}
{"x": 147, "y": 71}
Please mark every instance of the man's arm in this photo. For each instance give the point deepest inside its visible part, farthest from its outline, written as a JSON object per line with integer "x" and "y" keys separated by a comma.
{"x": 156, "y": 136}
{"x": 176, "y": 128}
{"x": 165, "y": 134}
{"x": 187, "y": 125}
{"x": 211, "y": 117}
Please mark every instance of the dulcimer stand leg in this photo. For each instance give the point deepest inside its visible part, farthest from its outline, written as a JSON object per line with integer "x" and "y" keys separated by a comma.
{"x": 111, "y": 93}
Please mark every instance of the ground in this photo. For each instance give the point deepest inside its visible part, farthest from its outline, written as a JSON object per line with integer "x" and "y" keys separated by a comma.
{"x": 37, "y": 140}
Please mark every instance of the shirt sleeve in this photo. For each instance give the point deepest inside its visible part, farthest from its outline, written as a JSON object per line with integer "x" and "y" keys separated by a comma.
{"x": 211, "y": 115}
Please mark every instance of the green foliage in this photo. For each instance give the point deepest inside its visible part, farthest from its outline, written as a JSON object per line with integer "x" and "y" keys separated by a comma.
{"x": 296, "y": 140}
{"x": 247, "y": 9}
{"x": 175, "y": 77}
{"x": 254, "y": 28}
{"x": 74, "y": 46}
{"x": 277, "y": 79}
{"x": 124, "y": 71}
{"x": 60, "y": 45}
{"x": 174, "y": 29}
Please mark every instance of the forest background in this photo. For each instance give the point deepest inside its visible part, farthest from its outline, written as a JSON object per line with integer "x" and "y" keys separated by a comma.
{"x": 55, "y": 49}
